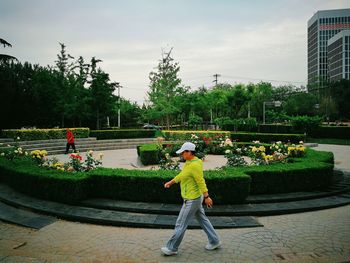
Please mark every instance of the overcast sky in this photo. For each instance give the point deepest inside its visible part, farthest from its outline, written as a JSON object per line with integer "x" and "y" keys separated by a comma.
{"x": 243, "y": 40}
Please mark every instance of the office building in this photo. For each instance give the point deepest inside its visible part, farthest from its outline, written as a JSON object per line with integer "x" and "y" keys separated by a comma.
{"x": 323, "y": 26}
{"x": 339, "y": 56}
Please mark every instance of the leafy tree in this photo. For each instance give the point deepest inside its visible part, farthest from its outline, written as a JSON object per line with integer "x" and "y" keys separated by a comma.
{"x": 236, "y": 98}
{"x": 340, "y": 92}
{"x": 164, "y": 87}
{"x": 101, "y": 89}
{"x": 300, "y": 104}
{"x": 4, "y": 57}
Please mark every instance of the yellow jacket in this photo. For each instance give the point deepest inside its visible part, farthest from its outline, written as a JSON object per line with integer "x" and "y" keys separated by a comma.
{"x": 191, "y": 179}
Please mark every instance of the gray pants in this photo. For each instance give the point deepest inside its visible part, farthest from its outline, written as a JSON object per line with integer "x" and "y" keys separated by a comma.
{"x": 190, "y": 209}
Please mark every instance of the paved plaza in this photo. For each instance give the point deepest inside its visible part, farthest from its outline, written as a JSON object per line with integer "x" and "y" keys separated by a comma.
{"x": 319, "y": 236}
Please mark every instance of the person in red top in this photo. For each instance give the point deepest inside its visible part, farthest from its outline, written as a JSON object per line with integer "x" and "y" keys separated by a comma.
{"x": 70, "y": 140}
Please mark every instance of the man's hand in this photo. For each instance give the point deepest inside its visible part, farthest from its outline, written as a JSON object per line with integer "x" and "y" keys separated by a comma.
{"x": 169, "y": 184}
{"x": 208, "y": 202}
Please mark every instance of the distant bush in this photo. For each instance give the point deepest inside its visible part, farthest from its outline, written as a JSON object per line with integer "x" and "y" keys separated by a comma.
{"x": 266, "y": 137}
{"x": 122, "y": 134}
{"x": 243, "y": 124}
{"x": 331, "y": 132}
{"x": 188, "y": 135}
{"x": 305, "y": 123}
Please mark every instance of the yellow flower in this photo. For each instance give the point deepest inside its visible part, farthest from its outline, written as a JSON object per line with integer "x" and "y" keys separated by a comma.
{"x": 262, "y": 148}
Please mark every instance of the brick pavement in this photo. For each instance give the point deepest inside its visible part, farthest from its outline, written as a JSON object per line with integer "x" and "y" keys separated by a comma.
{"x": 321, "y": 236}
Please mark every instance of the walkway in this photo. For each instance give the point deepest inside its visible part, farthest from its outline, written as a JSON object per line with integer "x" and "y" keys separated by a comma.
{"x": 320, "y": 236}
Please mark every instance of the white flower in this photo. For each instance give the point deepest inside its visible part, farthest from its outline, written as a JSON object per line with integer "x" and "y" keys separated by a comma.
{"x": 100, "y": 155}
{"x": 16, "y": 151}
{"x": 301, "y": 142}
{"x": 90, "y": 152}
{"x": 2, "y": 154}
{"x": 18, "y": 138}
{"x": 227, "y": 151}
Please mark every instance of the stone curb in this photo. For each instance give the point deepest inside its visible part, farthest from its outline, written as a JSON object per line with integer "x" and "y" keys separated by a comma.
{"x": 115, "y": 218}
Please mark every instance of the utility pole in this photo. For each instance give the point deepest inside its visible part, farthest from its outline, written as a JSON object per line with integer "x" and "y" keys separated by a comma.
{"x": 118, "y": 86}
{"x": 216, "y": 78}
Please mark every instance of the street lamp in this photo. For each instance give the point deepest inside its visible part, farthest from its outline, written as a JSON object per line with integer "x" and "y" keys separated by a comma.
{"x": 275, "y": 103}
{"x": 118, "y": 86}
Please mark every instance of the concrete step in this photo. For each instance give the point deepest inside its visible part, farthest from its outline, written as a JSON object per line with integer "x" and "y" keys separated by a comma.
{"x": 58, "y": 146}
{"x": 110, "y": 217}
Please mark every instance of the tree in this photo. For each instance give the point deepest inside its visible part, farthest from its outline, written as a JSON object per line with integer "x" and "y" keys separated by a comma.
{"x": 340, "y": 92}
{"x": 4, "y": 57}
{"x": 300, "y": 104}
{"x": 101, "y": 91}
{"x": 164, "y": 87}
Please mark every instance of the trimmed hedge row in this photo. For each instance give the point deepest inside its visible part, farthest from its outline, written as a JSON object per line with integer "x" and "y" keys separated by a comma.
{"x": 122, "y": 134}
{"x": 331, "y": 132}
{"x": 339, "y": 132}
{"x": 227, "y": 186}
{"x": 149, "y": 153}
{"x": 267, "y": 137}
{"x": 186, "y": 135}
{"x": 132, "y": 185}
{"x": 44, "y": 134}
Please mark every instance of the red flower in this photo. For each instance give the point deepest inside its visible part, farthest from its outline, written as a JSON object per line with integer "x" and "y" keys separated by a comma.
{"x": 76, "y": 156}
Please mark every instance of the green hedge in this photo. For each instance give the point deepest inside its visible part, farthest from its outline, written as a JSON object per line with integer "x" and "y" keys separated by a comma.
{"x": 331, "y": 132}
{"x": 186, "y": 135}
{"x": 227, "y": 186}
{"x": 339, "y": 132}
{"x": 122, "y": 134}
{"x": 149, "y": 154}
{"x": 132, "y": 185}
{"x": 266, "y": 137}
{"x": 277, "y": 128}
{"x": 25, "y": 176}
{"x": 45, "y": 134}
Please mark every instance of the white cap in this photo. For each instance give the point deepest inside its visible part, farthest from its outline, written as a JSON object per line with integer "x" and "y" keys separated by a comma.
{"x": 187, "y": 146}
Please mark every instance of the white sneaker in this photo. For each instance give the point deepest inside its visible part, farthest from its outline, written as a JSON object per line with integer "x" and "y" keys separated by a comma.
{"x": 168, "y": 252}
{"x": 212, "y": 247}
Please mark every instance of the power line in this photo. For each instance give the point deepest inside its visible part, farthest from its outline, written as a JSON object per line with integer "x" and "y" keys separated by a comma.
{"x": 216, "y": 78}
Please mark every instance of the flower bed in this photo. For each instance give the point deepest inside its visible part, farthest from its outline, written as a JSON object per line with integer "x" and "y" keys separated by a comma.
{"x": 227, "y": 186}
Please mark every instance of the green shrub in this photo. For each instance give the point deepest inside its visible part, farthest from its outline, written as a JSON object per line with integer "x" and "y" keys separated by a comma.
{"x": 25, "y": 176}
{"x": 186, "y": 135}
{"x": 313, "y": 172}
{"x": 122, "y": 134}
{"x": 305, "y": 123}
{"x": 278, "y": 128}
{"x": 45, "y": 134}
{"x": 226, "y": 186}
{"x": 149, "y": 154}
{"x": 243, "y": 124}
{"x": 266, "y": 137}
{"x": 331, "y": 132}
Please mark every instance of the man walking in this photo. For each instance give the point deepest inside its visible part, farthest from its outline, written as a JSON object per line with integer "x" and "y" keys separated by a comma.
{"x": 193, "y": 191}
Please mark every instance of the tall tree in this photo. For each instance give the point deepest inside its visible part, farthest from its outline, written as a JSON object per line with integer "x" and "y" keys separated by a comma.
{"x": 165, "y": 85}
{"x": 101, "y": 91}
{"x": 4, "y": 57}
